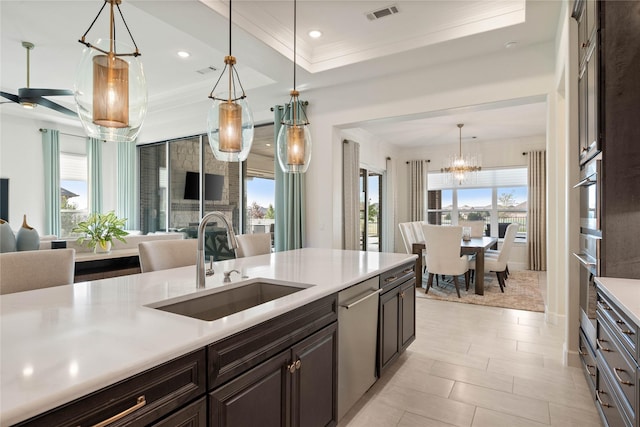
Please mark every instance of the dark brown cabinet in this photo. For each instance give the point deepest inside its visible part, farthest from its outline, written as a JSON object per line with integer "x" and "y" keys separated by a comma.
{"x": 141, "y": 400}
{"x": 397, "y": 327}
{"x": 617, "y": 395}
{"x": 297, "y": 387}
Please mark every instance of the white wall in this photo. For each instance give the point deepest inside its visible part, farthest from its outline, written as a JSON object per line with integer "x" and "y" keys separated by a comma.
{"x": 21, "y": 161}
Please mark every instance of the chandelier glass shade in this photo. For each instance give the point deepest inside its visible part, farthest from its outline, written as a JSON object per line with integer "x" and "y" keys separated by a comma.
{"x": 293, "y": 145}
{"x": 230, "y": 121}
{"x": 110, "y": 87}
{"x": 461, "y": 169}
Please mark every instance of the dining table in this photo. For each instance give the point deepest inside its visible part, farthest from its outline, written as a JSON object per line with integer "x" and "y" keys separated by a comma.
{"x": 475, "y": 245}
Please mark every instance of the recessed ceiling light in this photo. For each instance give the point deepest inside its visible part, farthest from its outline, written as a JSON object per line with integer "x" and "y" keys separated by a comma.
{"x": 314, "y": 34}
{"x": 183, "y": 54}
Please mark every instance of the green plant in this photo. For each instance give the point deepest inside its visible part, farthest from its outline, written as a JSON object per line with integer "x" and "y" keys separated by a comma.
{"x": 99, "y": 229}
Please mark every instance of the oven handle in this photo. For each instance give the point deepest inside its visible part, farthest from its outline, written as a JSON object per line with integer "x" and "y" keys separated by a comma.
{"x": 584, "y": 260}
{"x": 585, "y": 182}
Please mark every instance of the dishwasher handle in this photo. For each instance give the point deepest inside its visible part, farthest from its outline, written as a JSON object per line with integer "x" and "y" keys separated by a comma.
{"x": 359, "y": 300}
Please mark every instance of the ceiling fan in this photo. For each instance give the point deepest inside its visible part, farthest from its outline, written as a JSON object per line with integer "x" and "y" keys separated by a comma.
{"x": 31, "y": 97}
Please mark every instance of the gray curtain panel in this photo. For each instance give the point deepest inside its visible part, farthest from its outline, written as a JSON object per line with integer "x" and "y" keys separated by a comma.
{"x": 417, "y": 190}
{"x": 537, "y": 206}
{"x": 350, "y": 195}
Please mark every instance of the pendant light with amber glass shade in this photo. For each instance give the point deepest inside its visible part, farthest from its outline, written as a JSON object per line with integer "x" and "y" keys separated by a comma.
{"x": 230, "y": 121}
{"x": 110, "y": 87}
{"x": 294, "y": 138}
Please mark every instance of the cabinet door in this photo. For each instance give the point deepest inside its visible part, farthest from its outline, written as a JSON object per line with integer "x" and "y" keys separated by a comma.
{"x": 259, "y": 397}
{"x": 314, "y": 384}
{"x": 389, "y": 319}
{"x": 408, "y": 314}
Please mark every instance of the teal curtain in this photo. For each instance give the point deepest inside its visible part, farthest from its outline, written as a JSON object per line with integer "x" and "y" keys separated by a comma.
{"x": 127, "y": 184}
{"x": 290, "y": 200}
{"x": 94, "y": 159}
{"x": 51, "y": 156}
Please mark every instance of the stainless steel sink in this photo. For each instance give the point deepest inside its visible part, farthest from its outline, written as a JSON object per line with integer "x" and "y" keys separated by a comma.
{"x": 224, "y": 303}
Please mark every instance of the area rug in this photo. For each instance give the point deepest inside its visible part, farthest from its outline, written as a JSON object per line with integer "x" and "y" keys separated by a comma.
{"x": 522, "y": 292}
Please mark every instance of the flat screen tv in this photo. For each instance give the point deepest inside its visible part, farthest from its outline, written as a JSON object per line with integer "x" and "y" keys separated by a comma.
{"x": 212, "y": 185}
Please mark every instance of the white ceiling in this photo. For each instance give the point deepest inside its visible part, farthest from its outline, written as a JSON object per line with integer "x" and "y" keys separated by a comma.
{"x": 423, "y": 33}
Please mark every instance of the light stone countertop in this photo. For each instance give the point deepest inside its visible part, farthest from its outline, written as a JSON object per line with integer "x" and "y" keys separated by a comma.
{"x": 61, "y": 343}
{"x": 625, "y": 293}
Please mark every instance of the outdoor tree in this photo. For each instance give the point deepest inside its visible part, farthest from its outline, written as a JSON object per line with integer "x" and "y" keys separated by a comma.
{"x": 373, "y": 213}
{"x": 476, "y": 216}
{"x": 270, "y": 213}
{"x": 255, "y": 211}
{"x": 506, "y": 199}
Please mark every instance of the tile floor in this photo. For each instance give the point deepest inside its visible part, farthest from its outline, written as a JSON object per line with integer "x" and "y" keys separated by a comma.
{"x": 475, "y": 366}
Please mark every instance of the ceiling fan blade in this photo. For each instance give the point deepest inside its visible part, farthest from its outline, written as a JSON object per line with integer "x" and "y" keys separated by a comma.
{"x": 10, "y": 96}
{"x": 31, "y": 93}
{"x": 59, "y": 108}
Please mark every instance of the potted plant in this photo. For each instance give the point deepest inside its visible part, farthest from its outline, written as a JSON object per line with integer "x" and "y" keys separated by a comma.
{"x": 99, "y": 230}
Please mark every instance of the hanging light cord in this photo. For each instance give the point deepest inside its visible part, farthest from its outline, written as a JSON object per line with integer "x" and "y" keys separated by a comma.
{"x": 112, "y": 26}
{"x": 460, "y": 129}
{"x": 295, "y": 19}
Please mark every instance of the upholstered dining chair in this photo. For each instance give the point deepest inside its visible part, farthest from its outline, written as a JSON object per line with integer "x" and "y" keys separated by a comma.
{"x": 253, "y": 244}
{"x": 28, "y": 270}
{"x": 498, "y": 263}
{"x": 164, "y": 254}
{"x": 443, "y": 253}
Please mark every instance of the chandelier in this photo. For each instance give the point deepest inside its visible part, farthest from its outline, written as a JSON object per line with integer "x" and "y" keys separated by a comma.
{"x": 110, "y": 87}
{"x": 459, "y": 168}
{"x": 230, "y": 120}
{"x": 293, "y": 144}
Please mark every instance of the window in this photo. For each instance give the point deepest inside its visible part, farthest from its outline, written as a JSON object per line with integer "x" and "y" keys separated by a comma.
{"x": 498, "y": 196}
{"x": 74, "y": 191}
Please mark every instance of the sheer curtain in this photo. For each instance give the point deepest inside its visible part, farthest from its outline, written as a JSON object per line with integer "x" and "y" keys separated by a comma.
{"x": 127, "y": 180}
{"x": 51, "y": 156}
{"x": 94, "y": 159}
{"x": 537, "y": 207}
{"x": 416, "y": 190}
{"x": 290, "y": 200}
{"x": 350, "y": 195}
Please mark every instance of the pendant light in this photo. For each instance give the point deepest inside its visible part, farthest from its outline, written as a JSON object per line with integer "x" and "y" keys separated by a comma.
{"x": 461, "y": 169}
{"x": 230, "y": 121}
{"x": 294, "y": 137}
{"x": 110, "y": 88}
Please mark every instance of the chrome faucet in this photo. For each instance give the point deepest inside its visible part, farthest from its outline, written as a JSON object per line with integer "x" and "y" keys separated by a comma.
{"x": 231, "y": 238}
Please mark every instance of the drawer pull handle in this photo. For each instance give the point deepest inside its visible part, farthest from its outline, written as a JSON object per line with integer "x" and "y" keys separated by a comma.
{"x": 604, "y": 306}
{"x": 408, "y": 270}
{"x": 620, "y": 380}
{"x": 141, "y": 402}
{"x": 298, "y": 364}
{"x": 390, "y": 279}
{"x": 587, "y": 368}
{"x": 606, "y": 405}
{"x": 624, "y": 331}
{"x": 598, "y": 341}
{"x": 359, "y": 300}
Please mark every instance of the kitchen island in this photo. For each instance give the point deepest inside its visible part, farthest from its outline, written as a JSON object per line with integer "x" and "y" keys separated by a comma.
{"x": 62, "y": 343}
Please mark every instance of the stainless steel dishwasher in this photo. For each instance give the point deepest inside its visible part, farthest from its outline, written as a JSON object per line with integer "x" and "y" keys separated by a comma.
{"x": 357, "y": 341}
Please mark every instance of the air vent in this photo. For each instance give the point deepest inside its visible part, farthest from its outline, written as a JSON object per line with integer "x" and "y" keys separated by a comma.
{"x": 381, "y": 13}
{"x": 207, "y": 70}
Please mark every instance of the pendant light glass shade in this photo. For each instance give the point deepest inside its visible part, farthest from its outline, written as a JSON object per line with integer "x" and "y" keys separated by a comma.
{"x": 461, "y": 169}
{"x": 110, "y": 88}
{"x": 230, "y": 129}
{"x": 294, "y": 140}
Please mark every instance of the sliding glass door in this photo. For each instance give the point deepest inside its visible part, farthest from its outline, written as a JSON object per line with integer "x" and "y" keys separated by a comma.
{"x": 370, "y": 211}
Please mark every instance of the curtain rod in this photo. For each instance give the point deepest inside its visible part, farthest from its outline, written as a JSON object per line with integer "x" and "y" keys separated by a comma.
{"x": 64, "y": 133}
{"x": 428, "y": 161}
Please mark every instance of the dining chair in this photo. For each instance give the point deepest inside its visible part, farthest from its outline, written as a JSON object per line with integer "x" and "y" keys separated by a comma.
{"x": 443, "y": 254}
{"x": 164, "y": 254}
{"x": 253, "y": 244}
{"x": 477, "y": 227}
{"x": 498, "y": 263}
{"x": 28, "y": 270}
